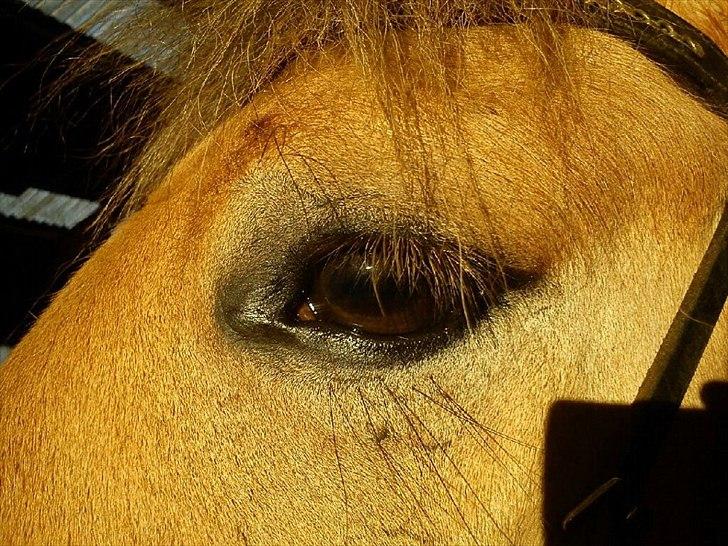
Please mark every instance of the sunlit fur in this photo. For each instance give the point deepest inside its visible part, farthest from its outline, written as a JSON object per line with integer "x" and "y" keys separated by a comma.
{"x": 129, "y": 414}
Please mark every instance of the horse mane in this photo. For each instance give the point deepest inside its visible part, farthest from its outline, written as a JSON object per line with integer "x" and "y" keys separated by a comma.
{"x": 217, "y": 54}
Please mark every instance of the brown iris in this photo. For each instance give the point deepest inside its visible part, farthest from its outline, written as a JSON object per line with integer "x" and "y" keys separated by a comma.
{"x": 360, "y": 294}
{"x": 401, "y": 286}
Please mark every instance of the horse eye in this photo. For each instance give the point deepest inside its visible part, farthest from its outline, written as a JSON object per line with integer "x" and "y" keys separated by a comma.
{"x": 355, "y": 293}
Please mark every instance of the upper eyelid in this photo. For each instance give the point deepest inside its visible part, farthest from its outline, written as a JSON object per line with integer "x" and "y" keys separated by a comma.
{"x": 447, "y": 266}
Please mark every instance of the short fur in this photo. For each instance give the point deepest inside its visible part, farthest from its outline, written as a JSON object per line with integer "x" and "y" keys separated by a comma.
{"x": 134, "y": 412}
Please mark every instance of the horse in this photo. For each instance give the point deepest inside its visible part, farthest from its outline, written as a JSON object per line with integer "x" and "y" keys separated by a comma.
{"x": 366, "y": 249}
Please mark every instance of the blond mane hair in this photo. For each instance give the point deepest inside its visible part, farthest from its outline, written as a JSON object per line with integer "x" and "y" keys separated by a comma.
{"x": 213, "y": 56}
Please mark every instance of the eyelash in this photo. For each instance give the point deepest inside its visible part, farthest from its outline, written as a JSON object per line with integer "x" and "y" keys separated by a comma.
{"x": 467, "y": 286}
{"x": 464, "y": 284}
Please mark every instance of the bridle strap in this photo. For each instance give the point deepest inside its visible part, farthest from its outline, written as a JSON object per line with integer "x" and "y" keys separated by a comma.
{"x": 663, "y": 389}
{"x": 687, "y": 54}
{"x": 678, "y": 356}
{"x": 699, "y": 65}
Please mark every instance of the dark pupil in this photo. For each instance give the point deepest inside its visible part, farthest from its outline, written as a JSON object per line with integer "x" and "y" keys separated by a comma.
{"x": 358, "y": 295}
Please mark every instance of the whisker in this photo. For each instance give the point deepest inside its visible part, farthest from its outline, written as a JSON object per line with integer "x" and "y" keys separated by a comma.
{"x": 339, "y": 465}
{"x": 433, "y": 464}
{"x": 476, "y": 433}
{"x": 392, "y": 465}
{"x": 460, "y": 473}
{"x": 296, "y": 186}
{"x": 475, "y": 422}
{"x": 492, "y": 434}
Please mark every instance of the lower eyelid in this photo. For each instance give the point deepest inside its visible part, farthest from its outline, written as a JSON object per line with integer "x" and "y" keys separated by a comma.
{"x": 261, "y": 311}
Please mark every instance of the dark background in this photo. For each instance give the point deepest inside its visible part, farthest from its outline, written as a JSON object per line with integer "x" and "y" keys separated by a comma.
{"x": 684, "y": 502}
{"x": 50, "y": 140}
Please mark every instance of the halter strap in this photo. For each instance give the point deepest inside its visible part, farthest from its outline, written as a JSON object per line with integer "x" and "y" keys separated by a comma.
{"x": 688, "y": 55}
{"x": 699, "y": 65}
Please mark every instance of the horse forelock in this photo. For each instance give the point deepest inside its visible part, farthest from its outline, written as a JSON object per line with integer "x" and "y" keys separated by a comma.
{"x": 226, "y": 52}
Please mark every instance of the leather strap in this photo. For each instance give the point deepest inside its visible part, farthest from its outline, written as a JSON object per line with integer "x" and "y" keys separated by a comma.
{"x": 700, "y": 66}
{"x": 687, "y": 54}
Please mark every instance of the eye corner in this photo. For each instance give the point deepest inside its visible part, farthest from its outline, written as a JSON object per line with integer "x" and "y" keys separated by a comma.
{"x": 280, "y": 310}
